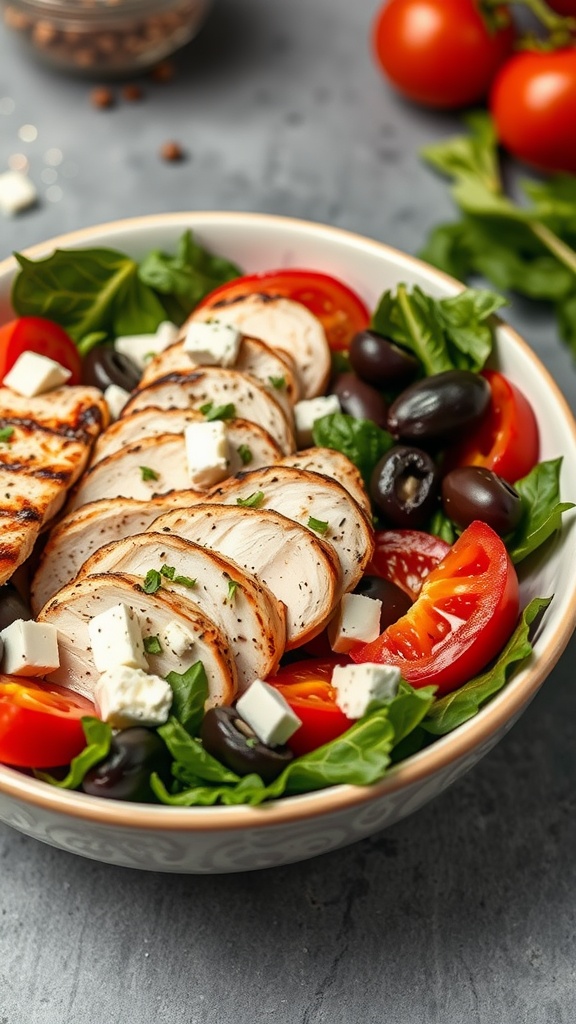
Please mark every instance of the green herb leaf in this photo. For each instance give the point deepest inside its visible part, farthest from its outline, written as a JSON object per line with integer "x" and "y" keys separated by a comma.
{"x": 6, "y": 435}
{"x": 219, "y": 412}
{"x": 168, "y": 571}
{"x": 98, "y": 739}
{"x": 185, "y": 581}
{"x": 152, "y": 644}
{"x": 278, "y": 382}
{"x": 232, "y": 588}
{"x": 245, "y": 454}
{"x": 318, "y": 525}
{"x": 148, "y": 474}
{"x": 252, "y": 501}
{"x": 361, "y": 440}
{"x": 152, "y": 581}
{"x": 190, "y": 754}
{"x": 190, "y": 695}
{"x": 540, "y": 494}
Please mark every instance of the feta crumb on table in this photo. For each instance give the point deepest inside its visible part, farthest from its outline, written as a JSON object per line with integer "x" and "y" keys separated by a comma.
{"x": 17, "y": 193}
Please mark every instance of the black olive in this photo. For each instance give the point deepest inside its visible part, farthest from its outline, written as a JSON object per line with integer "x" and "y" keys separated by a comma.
{"x": 103, "y": 366}
{"x": 125, "y": 773}
{"x": 12, "y": 606}
{"x": 229, "y": 739}
{"x": 358, "y": 399}
{"x": 395, "y": 601}
{"x": 380, "y": 361}
{"x": 404, "y": 486}
{"x": 472, "y": 492}
{"x": 440, "y": 407}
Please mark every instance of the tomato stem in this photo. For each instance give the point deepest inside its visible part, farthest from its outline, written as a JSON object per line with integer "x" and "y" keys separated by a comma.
{"x": 560, "y": 29}
{"x": 564, "y": 253}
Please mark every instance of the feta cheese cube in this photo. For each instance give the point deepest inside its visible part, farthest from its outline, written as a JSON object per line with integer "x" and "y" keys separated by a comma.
{"x": 33, "y": 374}
{"x": 116, "y": 639}
{"x": 267, "y": 712}
{"x": 141, "y": 348}
{"x": 30, "y": 648}
{"x": 115, "y": 398}
{"x": 17, "y": 192}
{"x": 177, "y": 639}
{"x": 358, "y": 687}
{"x": 126, "y": 696}
{"x": 166, "y": 334}
{"x": 357, "y": 620}
{"x": 207, "y": 453}
{"x": 308, "y": 411}
{"x": 212, "y": 343}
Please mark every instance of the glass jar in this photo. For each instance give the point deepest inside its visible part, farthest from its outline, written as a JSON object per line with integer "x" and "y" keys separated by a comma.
{"x": 104, "y": 38}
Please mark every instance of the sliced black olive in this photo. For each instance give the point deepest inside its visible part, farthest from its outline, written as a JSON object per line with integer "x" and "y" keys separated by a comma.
{"x": 229, "y": 739}
{"x": 440, "y": 407}
{"x": 395, "y": 601}
{"x": 359, "y": 399}
{"x": 103, "y": 366}
{"x": 380, "y": 361}
{"x": 125, "y": 773}
{"x": 12, "y": 606}
{"x": 472, "y": 492}
{"x": 404, "y": 486}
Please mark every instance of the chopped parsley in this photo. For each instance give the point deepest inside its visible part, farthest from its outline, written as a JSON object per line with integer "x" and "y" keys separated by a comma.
{"x": 245, "y": 454}
{"x": 218, "y": 412}
{"x": 232, "y": 588}
{"x": 253, "y": 501}
{"x": 152, "y": 645}
{"x": 6, "y": 435}
{"x": 152, "y": 581}
{"x": 148, "y": 474}
{"x": 169, "y": 572}
{"x": 318, "y": 525}
{"x": 278, "y": 382}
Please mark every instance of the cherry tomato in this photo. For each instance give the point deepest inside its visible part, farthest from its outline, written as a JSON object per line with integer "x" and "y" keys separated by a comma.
{"x": 533, "y": 103}
{"x": 406, "y": 557}
{"x": 341, "y": 312}
{"x": 466, "y": 611}
{"x": 507, "y": 440}
{"x": 34, "y": 334}
{"x": 565, "y": 7}
{"x": 307, "y": 688}
{"x": 40, "y": 723}
{"x": 439, "y": 52}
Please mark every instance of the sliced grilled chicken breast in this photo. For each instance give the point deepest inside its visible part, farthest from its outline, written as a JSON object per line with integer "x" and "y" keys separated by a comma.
{"x": 335, "y": 465}
{"x": 72, "y": 608}
{"x": 300, "y": 569}
{"x": 249, "y": 443}
{"x": 47, "y": 444}
{"x": 251, "y": 401}
{"x": 83, "y": 532}
{"x": 269, "y": 366}
{"x": 282, "y": 324}
{"x": 249, "y": 615}
{"x": 315, "y": 501}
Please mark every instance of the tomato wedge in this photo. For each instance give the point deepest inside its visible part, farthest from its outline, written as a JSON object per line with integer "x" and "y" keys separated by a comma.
{"x": 466, "y": 611}
{"x": 341, "y": 312}
{"x": 307, "y": 687}
{"x": 507, "y": 440}
{"x": 35, "y": 334}
{"x": 40, "y": 723}
{"x": 406, "y": 558}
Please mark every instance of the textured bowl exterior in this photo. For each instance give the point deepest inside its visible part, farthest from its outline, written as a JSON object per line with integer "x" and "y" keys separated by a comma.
{"x": 223, "y": 839}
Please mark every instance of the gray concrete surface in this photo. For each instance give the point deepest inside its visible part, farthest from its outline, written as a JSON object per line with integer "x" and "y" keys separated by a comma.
{"x": 465, "y": 912}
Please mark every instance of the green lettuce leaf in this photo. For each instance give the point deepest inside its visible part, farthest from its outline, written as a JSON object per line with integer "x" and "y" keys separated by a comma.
{"x": 540, "y": 494}
{"x": 98, "y": 739}
{"x": 190, "y": 690}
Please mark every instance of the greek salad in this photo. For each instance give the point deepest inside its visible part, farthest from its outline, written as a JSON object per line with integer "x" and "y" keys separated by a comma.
{"x": 259, "y": 539}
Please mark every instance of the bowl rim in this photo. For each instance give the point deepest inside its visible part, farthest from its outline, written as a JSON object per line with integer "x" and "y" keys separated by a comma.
{"x": 439, "y": 756}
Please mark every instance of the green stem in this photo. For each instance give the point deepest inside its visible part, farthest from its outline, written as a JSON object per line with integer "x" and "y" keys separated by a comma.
{"x": 559, "y": 28}
{"x": 564, "y": 253}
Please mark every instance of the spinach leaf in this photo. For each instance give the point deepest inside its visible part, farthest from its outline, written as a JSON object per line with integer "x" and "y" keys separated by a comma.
{"x": 455, "y": 708}
{"x": 190, "y": 690}
{"x": 542, "y": 516}
{"x": 361, "y": 440}
{"x": 98, "y": 739}
{"x": 186, "y": 277}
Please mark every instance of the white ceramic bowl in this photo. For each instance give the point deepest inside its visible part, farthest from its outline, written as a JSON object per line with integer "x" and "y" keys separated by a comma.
{"x": 224, "y": 839}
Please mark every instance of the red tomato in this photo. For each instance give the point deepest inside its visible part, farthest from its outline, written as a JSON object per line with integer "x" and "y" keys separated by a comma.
{"x": 533, "y": 103}
{"x": 565, "y": 7}
{"x": 341, "y": 312}
{"x": 307, "y": 688}
{"x": 507, "y": 440}
{"x": 439, "y": 52}
{"x": 466, "y": 611}
{"x": 406, "y": 558}
{"x": 40, "y": 724}
{"x": 34, "y": 334}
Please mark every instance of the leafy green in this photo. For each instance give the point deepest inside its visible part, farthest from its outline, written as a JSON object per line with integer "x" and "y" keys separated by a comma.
{"x": 152, "y": 581}
{"x": 318, "y": 525}
{"x": 152, "y": 644}
{"x": 248, "y": 790}
{"x": 245, "y": 454}
{"x": 6, "y": 435}
{"x": 252, "y": 501}
{"x": 542, "y": 516}
{"x": 190, "y": 690}
{"x": 98, "y": 739}
{"x": 189, "y": 753}
{"x": 442, "y": 526}
{"x": 147, "y": 473}
{"x": 361, "y": 440}
{"x": 450, "y": 711}
{"x": 218, "y": 412}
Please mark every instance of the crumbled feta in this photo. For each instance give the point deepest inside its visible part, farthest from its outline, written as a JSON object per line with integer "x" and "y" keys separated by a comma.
{"x": 177, "y": 639}
{"x": 166, "y": 334}
{"x": 115, "y": 398}
{"x": 30, "y": 648}
{"x": 141, "y": 348}
{"x": 207, "y": 453}
{"x": 17, "y": 192}
{"x": 357, "y": 620}
{"x": 308, "y": 411}
{"x": 33, "y": 374}
{"x": 359, "y": 686}
{"x": 126, "y": 696}
{"x": 116, "y": 639}
{"x": 268, "y": 713}
{"x": 212, "y": 343}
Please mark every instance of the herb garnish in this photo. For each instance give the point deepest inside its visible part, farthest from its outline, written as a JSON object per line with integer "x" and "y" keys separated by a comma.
{"x": 318, "y": 525}
{"x": 6, "y": 435}
{"x": 148, "y": 474}
{"x": 252, "y": 501}
{"x": 245, "y": 454}
{"x": 218, "y": 412}
{"x": 152, "y": 644}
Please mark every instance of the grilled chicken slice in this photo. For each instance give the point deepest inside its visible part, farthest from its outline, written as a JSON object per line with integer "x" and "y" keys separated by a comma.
{"x": 248, "y": 614}
{"x": 83, "y": 532}
{"x": 335, "y": 465}
{"x": 269, "y": 366}
{"x": 221, "y": 387}
{"x": 300, "y": 569}
{"x": 242, "y": 435}
{"x": 72, "y": 608}
{"x": 315, "y": 501}
{"x": 47, "y": 444}
{"x": 282, "y": 324}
